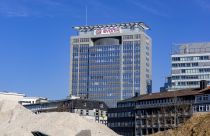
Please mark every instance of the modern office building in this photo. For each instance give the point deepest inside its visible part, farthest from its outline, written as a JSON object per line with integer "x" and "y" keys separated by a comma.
{"x": 111, "y": 62}
{"x": 190, "y": 65}
{"x": 150, "y": 113}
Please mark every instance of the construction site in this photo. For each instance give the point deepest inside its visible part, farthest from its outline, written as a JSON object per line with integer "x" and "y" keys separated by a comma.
{"x": 197, "y": 125}
{"x": 19, "y": 121}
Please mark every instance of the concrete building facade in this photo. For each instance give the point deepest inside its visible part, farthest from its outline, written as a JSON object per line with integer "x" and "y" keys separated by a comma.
{"x": 190, "y": 63}
{"x": 111, "y": 62}
{"x": 148, "y": 114}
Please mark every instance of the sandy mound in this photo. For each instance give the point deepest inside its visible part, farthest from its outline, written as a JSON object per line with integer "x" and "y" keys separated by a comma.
{"x": 197, "y": 125}
{"x": 18, "y": 121}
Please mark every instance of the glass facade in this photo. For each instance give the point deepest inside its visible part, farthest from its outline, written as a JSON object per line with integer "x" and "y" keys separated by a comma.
{"x": 131, "y": 68}
{"x": 110, "y": 68}
{"x": 104, "y": 76}
{"x": 80, "y": 70}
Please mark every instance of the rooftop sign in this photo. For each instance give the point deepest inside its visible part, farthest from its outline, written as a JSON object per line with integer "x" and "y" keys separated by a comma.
{"x": 110, "y": 30}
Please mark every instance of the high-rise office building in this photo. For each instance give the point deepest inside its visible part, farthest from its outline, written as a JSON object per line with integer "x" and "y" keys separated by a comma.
{"x": 111, "y": 62}
{"x": 190, "y": 65}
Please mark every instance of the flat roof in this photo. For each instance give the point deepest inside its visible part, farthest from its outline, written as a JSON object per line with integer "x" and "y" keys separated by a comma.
{"x": 77, "y": 103}
{"x": 122, "y": 25}
{"x": 190, "y": 48}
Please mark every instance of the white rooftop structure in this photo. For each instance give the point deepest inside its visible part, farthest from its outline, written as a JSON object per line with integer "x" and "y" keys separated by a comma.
{"x": 21, "y": 98}
{"x": 122, "y": 25}
{"x": 11, "y": 96}
{"x": 32, "y": 100}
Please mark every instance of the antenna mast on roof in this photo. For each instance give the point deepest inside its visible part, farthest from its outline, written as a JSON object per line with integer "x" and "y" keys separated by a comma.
{"x": 86, "y": 15}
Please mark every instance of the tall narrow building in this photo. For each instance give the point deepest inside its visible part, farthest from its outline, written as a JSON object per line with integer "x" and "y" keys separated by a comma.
{"x": 190, "y": 65}
{"x": 111, "y": 62}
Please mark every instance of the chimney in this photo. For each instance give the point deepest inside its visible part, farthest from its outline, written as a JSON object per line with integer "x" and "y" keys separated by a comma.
{"x": 203, "y": 84}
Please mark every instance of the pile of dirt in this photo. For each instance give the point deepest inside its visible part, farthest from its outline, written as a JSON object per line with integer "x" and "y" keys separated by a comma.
{"x": 197, "y": 125}
{"x": 18, "y": 121}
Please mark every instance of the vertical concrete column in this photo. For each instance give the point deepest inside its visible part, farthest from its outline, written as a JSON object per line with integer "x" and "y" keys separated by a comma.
{"x": 146, "y": 124}
{"x": 164, "y": 120}
{"x": 158, "y": 121}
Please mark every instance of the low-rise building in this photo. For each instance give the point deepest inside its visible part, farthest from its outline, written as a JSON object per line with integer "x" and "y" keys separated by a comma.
{"x": 32, "y": 100}
{"x": 150, "y": 113}
{"x": 21, "y": 98}
{"x": 91, "y": 109}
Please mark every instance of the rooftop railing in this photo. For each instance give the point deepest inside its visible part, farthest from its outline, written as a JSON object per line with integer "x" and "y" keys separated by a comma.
{"x": 191, "y": 48}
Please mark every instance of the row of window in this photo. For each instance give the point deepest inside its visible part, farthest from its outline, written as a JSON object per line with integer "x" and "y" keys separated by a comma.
{"x": 81, "y": 40}
{"x": 185, "y": 65}
{"x": 103, "y": 68}
{"x": 105, "y": 83}
{"x": 101, "y": 90}
{"x": 189, "y": 83}
{"x": 157, "y": 101}
{"x": 105, "y": 49}
{"x": 201, "y": 108}
{"x": 104, "y": 54}
{"x": 130, "y": 67}
{"x": 191, "y": 58}
{"x": 190, "y": 77}
{"x": 107, "y": 60}
{"x": 108, "y": 75}
{"x": 137, "y": 36}
{"x": 120, "y": 114}
{"x": 202, "y": 98}
{"x": 128, "y": 53}
{"x": 131, "y": 43}
{"x": 121, "y": 124}
{"x": 107, "y": 98}
{"x": 202, "y": 70}
{"x": 148, "y": 102}
{"x": 130, "y": 48}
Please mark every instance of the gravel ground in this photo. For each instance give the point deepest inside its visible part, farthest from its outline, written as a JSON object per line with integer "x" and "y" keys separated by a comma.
{"x": 18, "y": 121}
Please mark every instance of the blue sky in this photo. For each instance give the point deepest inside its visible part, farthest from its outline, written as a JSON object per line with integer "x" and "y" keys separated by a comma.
{"x": 34, "y": 37}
